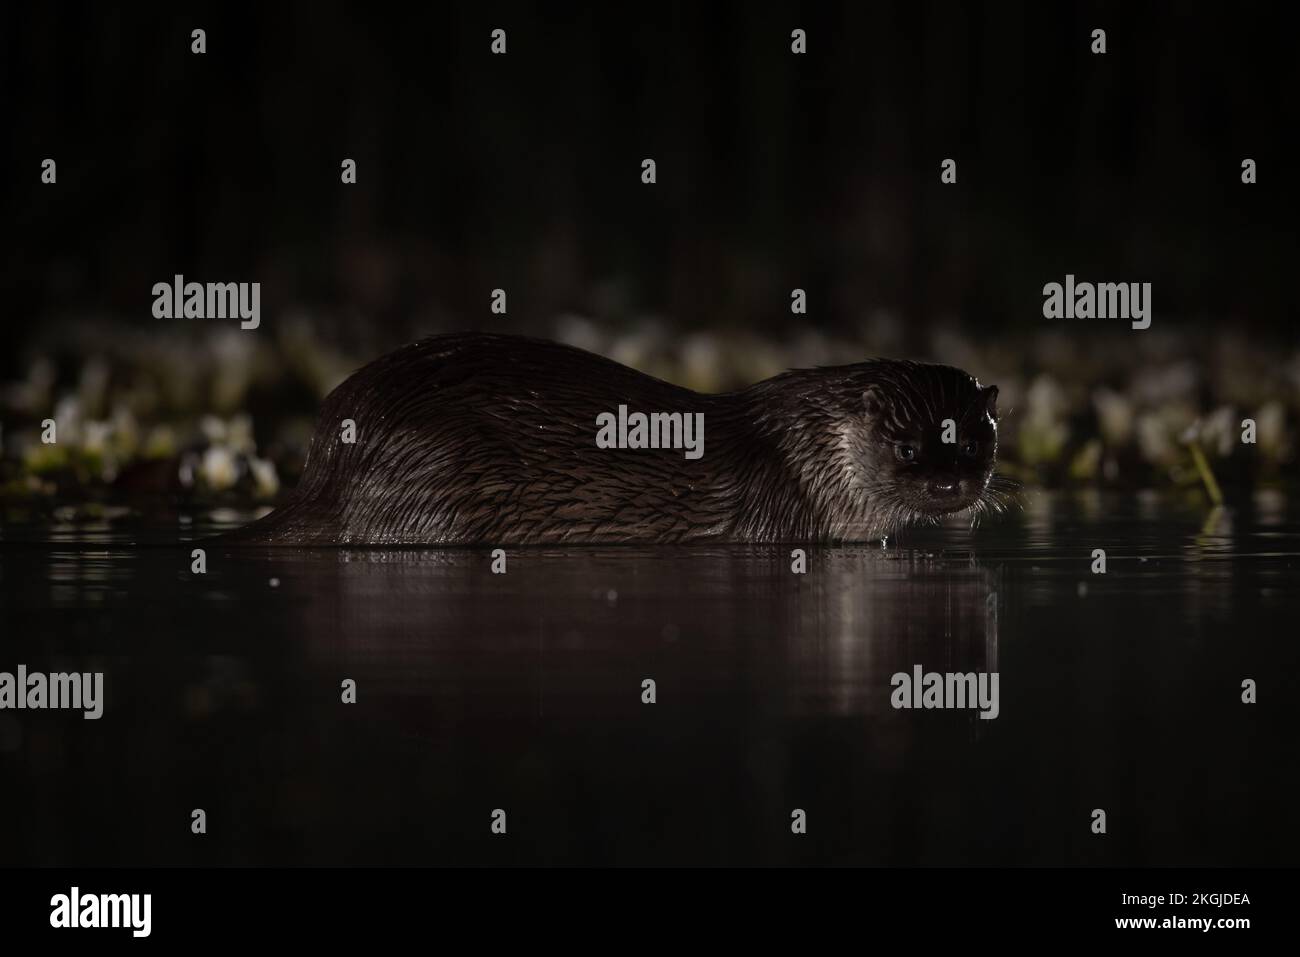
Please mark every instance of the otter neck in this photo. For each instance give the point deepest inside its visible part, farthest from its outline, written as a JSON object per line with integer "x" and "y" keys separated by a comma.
{"x": 800, "y": 477}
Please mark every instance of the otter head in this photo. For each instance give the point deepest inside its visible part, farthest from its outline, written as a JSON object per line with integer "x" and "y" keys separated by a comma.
{"x": 932, "y": 439}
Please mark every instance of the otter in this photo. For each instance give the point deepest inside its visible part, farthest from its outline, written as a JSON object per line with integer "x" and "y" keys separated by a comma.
{"x": 492, "y": 439}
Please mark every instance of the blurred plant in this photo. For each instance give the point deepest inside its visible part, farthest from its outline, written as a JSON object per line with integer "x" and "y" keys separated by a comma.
{"x": 225, "y": 414}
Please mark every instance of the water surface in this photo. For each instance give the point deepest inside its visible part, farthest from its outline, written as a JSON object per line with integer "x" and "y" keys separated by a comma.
{"x": 523, "y": 692}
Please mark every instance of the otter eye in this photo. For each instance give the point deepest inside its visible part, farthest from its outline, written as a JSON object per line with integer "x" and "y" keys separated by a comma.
{"x": 905, "y": 452}
{"x": 969, "y": 448}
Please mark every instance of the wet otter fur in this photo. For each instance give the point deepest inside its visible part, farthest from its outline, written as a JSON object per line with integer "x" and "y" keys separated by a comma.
{"x": 491, "y": 439}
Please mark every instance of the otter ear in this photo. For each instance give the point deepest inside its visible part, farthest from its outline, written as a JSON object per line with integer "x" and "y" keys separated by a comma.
{"x": 873, "y": 401}
{"x": 990, "y": 393}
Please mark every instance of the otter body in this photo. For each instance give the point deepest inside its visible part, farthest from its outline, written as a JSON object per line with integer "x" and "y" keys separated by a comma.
{"x": 468, "y": 439}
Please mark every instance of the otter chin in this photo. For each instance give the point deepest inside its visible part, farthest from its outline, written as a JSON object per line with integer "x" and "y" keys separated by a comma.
{"x": 491, "y": 439}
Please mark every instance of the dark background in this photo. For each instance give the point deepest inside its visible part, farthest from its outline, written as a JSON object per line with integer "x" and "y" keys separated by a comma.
{"x": 775, "y": 171}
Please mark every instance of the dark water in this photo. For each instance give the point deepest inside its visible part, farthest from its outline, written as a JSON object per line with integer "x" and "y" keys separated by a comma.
{"x": 523, "y": 692}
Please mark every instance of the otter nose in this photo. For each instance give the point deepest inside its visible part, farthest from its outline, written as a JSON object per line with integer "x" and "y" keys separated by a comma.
{"x": 944, "y": 486}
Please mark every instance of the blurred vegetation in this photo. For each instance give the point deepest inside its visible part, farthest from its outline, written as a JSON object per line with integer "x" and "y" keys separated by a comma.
{"x": 226, "y": 416}
{"x": 521, "y": 172}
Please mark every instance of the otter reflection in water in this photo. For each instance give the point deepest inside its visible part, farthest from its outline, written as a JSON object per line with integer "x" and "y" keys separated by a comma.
{"x": 475, "y": 438}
